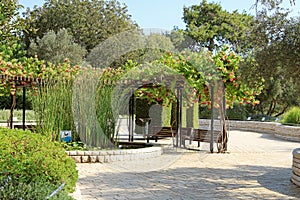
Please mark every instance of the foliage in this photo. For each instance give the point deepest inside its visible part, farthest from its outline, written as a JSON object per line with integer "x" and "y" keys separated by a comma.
{"x": 51, "y": 97}
{"x": 181, "y": 40}
{"x": 28, "y": 157}
{"x": 92, "y": 104}
{"x": 11, "y": 26}
{"x": 270, "y": 4}
{"x": 276, "y": 53}
{"x": 267, "y": 43}
{"x": 29, "y": 69}
{"x": 237, "y": 112}
{"x": 84, "y": 107}
{"x": 89, "y": 22}
{"x": 129, "y": 45}
{"x": 117, "y": 49}
{"x": 156, "y": 46}
{"x": 53, "y": 108}
{"x": 70, "y": 146}
{"x": 200, "y": 71}
{"x": 5, "y": 101}
{"x": 212, "y": 27}
{"x": 292, "y": 116}
{"x": 105, "y": 112}
{"x": 34, "y": 190}
{"x": 56, "y": 47}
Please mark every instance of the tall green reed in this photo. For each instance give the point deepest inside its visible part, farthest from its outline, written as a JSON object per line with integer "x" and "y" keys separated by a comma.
{"x": 53, "y": 108}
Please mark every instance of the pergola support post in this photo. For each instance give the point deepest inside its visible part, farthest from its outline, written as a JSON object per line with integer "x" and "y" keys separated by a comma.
{"x": 11, "y": 111}
{"x": 24, "y": 108}
{"x": 131, "y": 118}
{"x": 180, "y": 117}
{"x": 212, "y": 120}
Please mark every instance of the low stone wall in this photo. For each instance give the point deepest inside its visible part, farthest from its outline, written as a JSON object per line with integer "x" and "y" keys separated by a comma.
{"x": 296, "y": 167}
{"x": 291, "y": 133}
{"x": 106, "y": 156}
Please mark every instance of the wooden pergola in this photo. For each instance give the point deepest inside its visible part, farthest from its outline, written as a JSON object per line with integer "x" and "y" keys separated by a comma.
{"x": 167, "y": 81}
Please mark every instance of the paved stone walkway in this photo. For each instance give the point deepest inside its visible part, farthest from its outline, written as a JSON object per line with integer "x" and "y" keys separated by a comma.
{"x": 258, "y": 166}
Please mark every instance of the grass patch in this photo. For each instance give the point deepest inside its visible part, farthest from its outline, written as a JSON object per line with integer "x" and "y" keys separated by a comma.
{"x": 29, "y": 115}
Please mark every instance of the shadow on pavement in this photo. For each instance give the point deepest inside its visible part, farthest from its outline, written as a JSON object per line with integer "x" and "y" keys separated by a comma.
{"x": 240, "y": 182}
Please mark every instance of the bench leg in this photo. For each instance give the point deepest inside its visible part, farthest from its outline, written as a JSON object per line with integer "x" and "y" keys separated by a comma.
{"x": 198, "y": 143}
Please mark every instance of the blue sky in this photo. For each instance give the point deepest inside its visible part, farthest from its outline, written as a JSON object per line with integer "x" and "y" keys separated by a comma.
{"x": 165, "y": 14}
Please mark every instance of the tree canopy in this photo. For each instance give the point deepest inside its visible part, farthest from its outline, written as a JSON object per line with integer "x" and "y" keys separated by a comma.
{"x": 89, "y": 22}
{"x": 212, "y": 27}
{"x": 11, "y": 26}
{"x": 56, "y": 48}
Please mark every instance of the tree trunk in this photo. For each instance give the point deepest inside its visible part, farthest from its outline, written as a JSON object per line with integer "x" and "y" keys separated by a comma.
{"x": 282, "y": 112}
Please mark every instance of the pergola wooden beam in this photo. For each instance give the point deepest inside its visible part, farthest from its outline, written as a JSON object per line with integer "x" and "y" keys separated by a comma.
{"x": 20, "y": 82}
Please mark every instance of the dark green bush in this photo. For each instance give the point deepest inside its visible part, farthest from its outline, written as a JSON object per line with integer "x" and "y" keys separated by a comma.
{"x": 292, "y": 116}
{"x": 28, "y": 157}
{"x": 238, "y": 112}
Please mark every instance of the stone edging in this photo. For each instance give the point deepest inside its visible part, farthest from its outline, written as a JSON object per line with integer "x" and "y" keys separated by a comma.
{"x": 291, "y": 133}
{"x": 105, "y": 156}
{"x": 296, "y": 167}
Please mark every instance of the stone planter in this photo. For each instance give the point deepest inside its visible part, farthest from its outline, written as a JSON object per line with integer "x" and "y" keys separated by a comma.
{"x": 296, "y": 167}
{"x": 106, "y": 156}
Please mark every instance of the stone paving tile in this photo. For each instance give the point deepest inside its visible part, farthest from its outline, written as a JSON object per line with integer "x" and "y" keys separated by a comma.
{"x": 258, "y": 166}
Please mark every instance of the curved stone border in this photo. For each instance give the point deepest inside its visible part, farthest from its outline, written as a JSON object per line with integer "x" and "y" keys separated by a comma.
{"x": 296, "y": 167}
{"x": 106, "y": 156}
{"x": 291, "y": 133}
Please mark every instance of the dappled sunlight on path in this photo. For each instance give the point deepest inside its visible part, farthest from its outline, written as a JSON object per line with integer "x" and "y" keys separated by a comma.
{"x": 257, "y": 166}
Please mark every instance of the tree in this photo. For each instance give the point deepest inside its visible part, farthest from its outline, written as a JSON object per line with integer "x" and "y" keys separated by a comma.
{"x": 276, "y": 53}
{"x": 156, "y": 45}
{"x": 270, "y": 4}
{"x": 212, "y": 27}
{"x": 117, "y": 49}
{"x": 56, "y": 48}
{"x": 89, "y": 22}
{"x": 11, "y": 26}
{"x": 180, "y": 39}
{"x": 129, "y": 45}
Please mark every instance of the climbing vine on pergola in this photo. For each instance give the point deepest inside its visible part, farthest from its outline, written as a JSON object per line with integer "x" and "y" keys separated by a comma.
{"x": 205, "y": 74}
{"x": 30, "y": 73}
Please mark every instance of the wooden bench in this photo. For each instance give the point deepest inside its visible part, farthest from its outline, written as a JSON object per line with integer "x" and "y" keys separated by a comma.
{"x": 191, "y": 134}
{"x": 157, "y": 132}
{"x": 160, "y": 132}
{"x": 202, "y": 135}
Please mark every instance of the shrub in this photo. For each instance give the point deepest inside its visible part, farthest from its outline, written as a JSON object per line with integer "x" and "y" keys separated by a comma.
{"x": 292, "y": 116}
{"x": 28, "y": 157}
{"x": 238, "y": 112}
{"x": 35, "y": 191}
